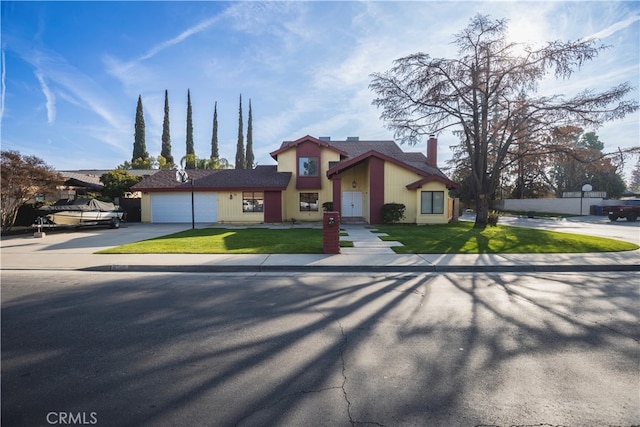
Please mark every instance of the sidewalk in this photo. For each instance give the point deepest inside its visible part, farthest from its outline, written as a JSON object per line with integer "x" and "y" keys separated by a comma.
{"x": 75, "y": 251}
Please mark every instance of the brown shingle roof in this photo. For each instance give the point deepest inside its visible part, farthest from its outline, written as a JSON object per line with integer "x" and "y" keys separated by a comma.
{"x": 262, "y": 177}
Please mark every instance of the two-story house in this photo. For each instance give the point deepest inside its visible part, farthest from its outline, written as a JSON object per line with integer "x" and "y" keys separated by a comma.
{"x": 357, "y": 177}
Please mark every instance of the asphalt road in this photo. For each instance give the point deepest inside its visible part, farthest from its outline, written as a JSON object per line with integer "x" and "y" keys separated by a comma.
{"x": 158, "y": 349}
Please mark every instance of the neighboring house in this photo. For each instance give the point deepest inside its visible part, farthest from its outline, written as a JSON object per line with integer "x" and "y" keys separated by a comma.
{"x": 78, "y": 183}
{"x": 359, "y": 177}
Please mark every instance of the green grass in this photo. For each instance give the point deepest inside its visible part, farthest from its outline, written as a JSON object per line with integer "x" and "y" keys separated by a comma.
{"x": 228, "y": 241}
{"x": 463, "y": 238}
{"x": 446, "y": 238}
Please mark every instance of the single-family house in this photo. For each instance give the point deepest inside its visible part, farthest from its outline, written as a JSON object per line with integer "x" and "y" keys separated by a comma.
{"x": 357, "y": 177}
{"x": 78, "y": 183}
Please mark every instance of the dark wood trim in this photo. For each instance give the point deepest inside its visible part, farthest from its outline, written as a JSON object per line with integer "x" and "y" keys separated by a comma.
{"x": 376, "y": 190}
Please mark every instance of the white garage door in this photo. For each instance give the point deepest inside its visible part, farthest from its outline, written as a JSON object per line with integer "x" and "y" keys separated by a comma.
{"x": 176, "y": 207}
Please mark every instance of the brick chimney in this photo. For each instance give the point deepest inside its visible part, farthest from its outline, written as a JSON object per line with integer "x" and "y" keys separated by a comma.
{"x": 432, "y": 151}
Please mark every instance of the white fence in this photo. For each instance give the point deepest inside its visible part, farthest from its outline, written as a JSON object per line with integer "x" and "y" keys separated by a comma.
{"x": 571, "y": 206}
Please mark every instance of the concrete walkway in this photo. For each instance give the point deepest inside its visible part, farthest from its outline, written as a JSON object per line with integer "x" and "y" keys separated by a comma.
{"x": 366, "y": 241}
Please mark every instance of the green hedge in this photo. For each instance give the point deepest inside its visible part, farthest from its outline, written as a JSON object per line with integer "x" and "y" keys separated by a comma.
{"x": 392, "y": 212}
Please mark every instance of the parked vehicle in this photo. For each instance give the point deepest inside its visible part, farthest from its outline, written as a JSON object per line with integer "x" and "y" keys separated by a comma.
{"x": 629, "y": 209}
{"x": 81, "y": 212}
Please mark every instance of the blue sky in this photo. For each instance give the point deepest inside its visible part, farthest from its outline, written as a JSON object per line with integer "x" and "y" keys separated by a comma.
{"x": 72, "y": 71}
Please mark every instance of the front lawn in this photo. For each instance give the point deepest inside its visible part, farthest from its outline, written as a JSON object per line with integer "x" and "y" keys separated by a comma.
{"x": 446, "y": 238}
{"x": 463, "y": 238}
{"x": 228, "y": 241}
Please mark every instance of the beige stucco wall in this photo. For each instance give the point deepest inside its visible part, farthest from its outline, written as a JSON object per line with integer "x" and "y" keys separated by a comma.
{"x": 230, "y": 209}
{"x": 287, "y": 162}
{"x": 145, "y": 207}
{"x": 396, "y": 180}
{"x": 395, "y": 189}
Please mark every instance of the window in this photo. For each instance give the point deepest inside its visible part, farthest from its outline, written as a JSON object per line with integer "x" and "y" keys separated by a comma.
{"x": 252, "y": 201}
{"x": 432, "y": 202}
{"x": 308, "y": 202}
{"x": 308, "y": 166}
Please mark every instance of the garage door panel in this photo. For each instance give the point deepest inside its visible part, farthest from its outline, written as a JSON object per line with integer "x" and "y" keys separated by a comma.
{"x": 176, "y": 207}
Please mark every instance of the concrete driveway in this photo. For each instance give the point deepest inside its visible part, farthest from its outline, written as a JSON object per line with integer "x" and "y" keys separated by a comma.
{"x": 89, "y": 239}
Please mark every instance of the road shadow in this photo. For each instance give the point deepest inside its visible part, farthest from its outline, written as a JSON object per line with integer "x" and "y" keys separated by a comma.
{"x": 171, "y": 349}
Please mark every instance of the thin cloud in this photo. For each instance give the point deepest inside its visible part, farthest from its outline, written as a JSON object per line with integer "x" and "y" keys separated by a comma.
{"x": 131, "y": 73}
{"x": 54, "y": 68}
{"x": 198, "y": 28}
{"x": 612, "y": 29}
{"x": 83, "y": 88}
{"x": 49, "y": 96}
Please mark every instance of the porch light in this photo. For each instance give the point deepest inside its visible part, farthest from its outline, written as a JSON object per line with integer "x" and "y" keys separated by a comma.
{"x": 353, "y": 184}
{"x": 230, "y": 196}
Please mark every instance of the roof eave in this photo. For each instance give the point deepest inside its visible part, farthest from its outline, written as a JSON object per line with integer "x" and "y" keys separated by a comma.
{"x": 418, "y": 184}
{"x": 210, "y": 189}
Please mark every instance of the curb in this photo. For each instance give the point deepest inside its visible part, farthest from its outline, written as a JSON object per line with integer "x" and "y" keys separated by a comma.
{"x": 363, "y": 269}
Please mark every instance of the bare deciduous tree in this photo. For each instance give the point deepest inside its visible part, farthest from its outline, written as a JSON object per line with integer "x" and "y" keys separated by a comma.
{"x": 488, "y": 94}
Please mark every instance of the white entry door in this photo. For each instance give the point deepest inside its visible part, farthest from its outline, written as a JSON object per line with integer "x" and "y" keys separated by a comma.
{"x": 351, "y": 203}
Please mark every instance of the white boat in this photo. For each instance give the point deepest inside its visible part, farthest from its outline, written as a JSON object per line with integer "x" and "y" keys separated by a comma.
{"x": 84, "y": 212}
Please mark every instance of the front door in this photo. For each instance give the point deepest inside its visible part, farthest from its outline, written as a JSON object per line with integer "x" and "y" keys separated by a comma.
{"x": 351, "y": 203}
{"x": 272, "y": 206}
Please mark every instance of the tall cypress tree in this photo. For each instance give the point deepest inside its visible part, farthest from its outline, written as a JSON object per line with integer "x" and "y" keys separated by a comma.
{"x": 240, "y": 160}
{"x": 139, "y": 145}
{"x": 166, "y": 136}
{"x": 249, "y": 158}
{"x": 190, "y": 162}
{"x": 215, "y": 154}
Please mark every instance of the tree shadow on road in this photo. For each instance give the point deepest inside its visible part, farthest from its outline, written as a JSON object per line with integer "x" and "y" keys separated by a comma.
{"x": 170, "y": 349}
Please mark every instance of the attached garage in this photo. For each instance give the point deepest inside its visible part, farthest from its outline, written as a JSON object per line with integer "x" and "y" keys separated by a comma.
{"x": 176, "y": 207}
{"x": 218, "y": 195}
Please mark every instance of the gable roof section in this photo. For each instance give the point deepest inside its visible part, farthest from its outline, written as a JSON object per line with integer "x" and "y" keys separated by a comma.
{"x": 287, "y": 145}
{"x": 353, "y": 152}
{"x": 359, "y": 151}
{"x": 262, "y": 178}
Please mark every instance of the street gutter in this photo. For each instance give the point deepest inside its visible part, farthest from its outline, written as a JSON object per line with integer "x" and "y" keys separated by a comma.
{"x": 364, "y": 269}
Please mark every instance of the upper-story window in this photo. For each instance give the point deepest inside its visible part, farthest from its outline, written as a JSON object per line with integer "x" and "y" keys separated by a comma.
{"x": 308, "y": 166}
{"x": 308, "y": 169}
